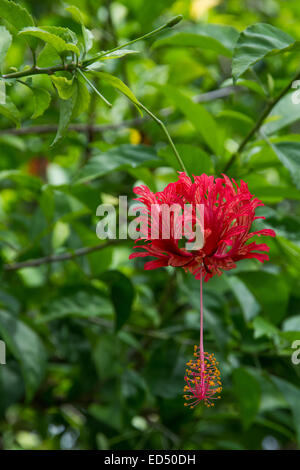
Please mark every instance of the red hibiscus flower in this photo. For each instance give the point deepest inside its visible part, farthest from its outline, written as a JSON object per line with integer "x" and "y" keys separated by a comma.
{"x": 228, "y": 213}
{"x": 225, "y": 219}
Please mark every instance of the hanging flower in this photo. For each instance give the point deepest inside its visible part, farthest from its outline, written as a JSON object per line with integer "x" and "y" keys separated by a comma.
{"x": 228, "y": 211}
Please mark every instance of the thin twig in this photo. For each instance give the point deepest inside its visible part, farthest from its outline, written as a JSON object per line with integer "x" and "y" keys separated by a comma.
{"x": 98, "y": 129}
{"x": 259, "y": 122}
{"x": 40, "y": 71}
{"x": 61, "y": 257}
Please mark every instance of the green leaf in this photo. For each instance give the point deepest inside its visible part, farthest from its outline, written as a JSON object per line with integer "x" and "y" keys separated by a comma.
{"x": 10, "y": 111}
{"x": 5, "y": 42}
{"x": 276, "y": 193}
{"x": 106, "y": 356}
{"x": 18, "y": 17}
{"x": 65, "y": 87}
{"x": 218, "y": 38}
{"x": 41, "y": 101}
{"x": 263, "y": 327}
{"x": 164, "y": 370}
{"x": 48, "y": 56}
{"x": 289, "y": 155}
{"x": 248, "y": 393}
{"x": 110, "y": 415}
{"x": 284, "y": 113}
{"x": 195, "y": 159}
{"x": 106, "y": 55}
{"x": 61, "y": 46}
{"x": 270, "y": 290}
{"x": 292, "y": 395}
{"x": 88, "y": 38}
{"x": 66, "y": 108}
{"x": 256, "y": 42}
{"x": 122, "y": 295}
{"x": 292, "y": 324}
{"x": 64, "y": 33}
{"x": 231, "y": 114}
{"x": 82, "y": 304}
{"x": 27, "y": 348}
{"x": 118, "y": 158}
{"x": 11, "y": 386}
{"x": 83, "y": 97}
{"x": 24, "y": 181}
{"x": 247, "y": 301}
{"x": 15, "y": 14}
{"x": 197, "y": 114}
{"x": 76, "y": 14}
{"x": 119, "y": 85}
{"x": 291, "y": 251}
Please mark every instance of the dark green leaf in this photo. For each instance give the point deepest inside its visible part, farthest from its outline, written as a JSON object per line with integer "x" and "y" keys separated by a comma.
{"x": 246, "y": 299}
{"x": 197, "y": 114}
{"x": 119, "y": 85}
{"x": 10, "y": 111}
{"x": 17, "y": 16}
{"x": 118, "y": 158}
{"x": 270, "y": 290}
{"x": 255, "y": 43}
{"x": 292, "y": 395}
{"x": 164, "y": 371}
{"x": 247, "y": 392}
{"x": 27, "y": 348}
{"x": 41, "y": 101}
{"x": 289, "y": 155}
{"x": 195, "y": 159}
{"x": 122, "y": 295}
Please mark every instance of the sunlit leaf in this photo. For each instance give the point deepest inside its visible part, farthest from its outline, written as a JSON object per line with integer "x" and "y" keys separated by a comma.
{"x": 5, "y": 42}
{"x": 17, "y": 16}
{"x": 41, "y": 101}
{"x": 256, "y": 42}
{"x": 9, "y": 110}
{"x": 62, "y": 47}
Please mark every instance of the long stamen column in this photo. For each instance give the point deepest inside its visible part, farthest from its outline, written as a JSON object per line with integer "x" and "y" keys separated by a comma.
{"x": 203, "y": 382}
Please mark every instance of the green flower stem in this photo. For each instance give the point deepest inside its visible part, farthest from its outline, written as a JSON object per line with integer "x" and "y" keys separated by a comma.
{"x": 94, "y": 88}
{"x": 169, "y": 24}
{"x": 165, "y": 130}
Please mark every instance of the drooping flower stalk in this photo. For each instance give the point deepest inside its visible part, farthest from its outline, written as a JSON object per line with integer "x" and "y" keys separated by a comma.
{"x": 202, "y": 377}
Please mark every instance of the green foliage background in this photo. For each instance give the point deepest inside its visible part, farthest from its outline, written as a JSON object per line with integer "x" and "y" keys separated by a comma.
{"x": 96, "y": 347}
